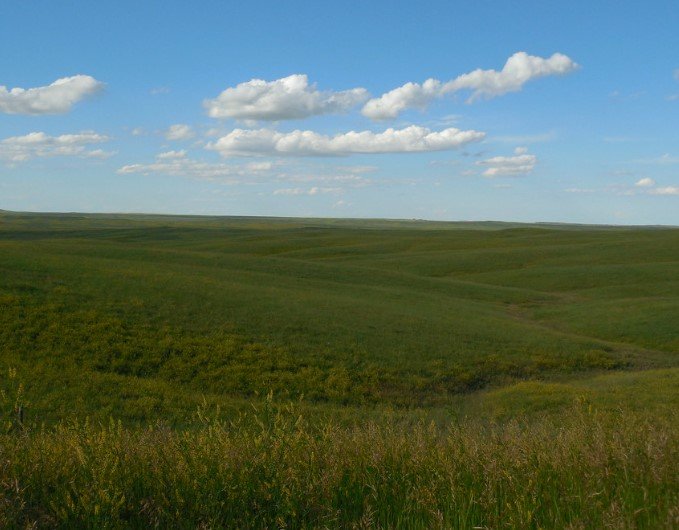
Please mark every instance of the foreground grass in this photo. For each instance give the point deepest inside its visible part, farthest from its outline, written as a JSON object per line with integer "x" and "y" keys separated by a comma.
{"x": 270, "y": 469}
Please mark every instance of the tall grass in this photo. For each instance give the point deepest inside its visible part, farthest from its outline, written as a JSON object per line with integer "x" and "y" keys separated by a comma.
{"x": 272, "y": 469}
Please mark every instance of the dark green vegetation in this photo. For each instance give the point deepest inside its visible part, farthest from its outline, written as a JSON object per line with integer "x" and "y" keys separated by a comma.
{"x": 145, "y": 318}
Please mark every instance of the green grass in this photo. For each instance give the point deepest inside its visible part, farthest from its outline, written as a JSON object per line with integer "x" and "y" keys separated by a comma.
{"x": 652, "y": 392}
{"x": 271, "y": 469}
{"x": 377, "y": 329}
{"x": 344, "y": 313}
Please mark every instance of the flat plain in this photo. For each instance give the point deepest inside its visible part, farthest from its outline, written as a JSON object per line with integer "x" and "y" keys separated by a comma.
{"x": 118, "y": 328}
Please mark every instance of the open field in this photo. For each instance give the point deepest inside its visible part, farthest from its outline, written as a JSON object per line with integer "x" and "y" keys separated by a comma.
{"x": 376, "y": 329}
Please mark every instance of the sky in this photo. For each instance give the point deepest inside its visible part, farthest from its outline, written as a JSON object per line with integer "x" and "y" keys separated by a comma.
{"x": 508, "y": 111}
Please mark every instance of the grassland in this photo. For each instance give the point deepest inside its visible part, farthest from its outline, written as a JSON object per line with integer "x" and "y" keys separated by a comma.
{"x": 486, "y": 374}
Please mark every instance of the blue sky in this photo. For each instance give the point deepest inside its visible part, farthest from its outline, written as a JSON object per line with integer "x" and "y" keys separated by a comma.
{"x": 535, "y": 111}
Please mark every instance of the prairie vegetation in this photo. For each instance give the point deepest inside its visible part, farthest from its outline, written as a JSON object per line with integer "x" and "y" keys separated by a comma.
{"x": 271, "y": 469}
{"x": 443, "y": 374}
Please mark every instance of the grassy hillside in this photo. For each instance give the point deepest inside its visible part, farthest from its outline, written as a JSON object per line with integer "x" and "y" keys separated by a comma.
{"x": 143, "y": 317}
{"x": 419, "y": 375}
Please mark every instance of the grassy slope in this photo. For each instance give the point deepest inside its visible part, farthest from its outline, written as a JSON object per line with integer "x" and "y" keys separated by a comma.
{"x": 565, "y": 335}
{"x": 141, "y": 316}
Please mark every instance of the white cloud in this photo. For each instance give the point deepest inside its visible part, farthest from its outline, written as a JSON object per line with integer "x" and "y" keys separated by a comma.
{"x": 508, "y": 166}
{"x": 177, "y": 163}
{"x": 322, "y": 178}
{"x": 645, "y": 182}
{"x": 288, "y": 98}
{"x": 412, "y": 139}
{"x": 643, "y": 187}
{"x": 260, "y": 166}
{"x": 38, "y": 144}
{"x": 159, "y": 90}
{"x": 333, "y": 176}
{"x": 517, "y": 71}
{"x": 667, "y": 190}
{"x": 315, "y": 190}
{"x": 99, "y": 153}
{"x": 358, "y": 170}
{"x": 410, "y": 95}
{"x": 56, "y": 98}
{"x": 179, "y": 132}
{"x": 290, "y": 191}
{"x": 580, "y": 190}
{"x": 520, "y": 150}
{"x": 170, "y": 155}
{"x": 138, "y": 131}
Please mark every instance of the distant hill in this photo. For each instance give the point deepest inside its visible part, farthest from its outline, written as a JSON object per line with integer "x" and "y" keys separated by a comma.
{"x": 311, "y": 222}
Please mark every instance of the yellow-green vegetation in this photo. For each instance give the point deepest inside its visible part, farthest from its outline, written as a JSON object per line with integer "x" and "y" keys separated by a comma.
{"x": 444, "y": 374}
{"x": 653, "y": 392}
{"x": 271, "y": 469}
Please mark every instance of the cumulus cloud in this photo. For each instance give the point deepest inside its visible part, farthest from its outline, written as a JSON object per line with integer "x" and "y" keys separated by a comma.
{"x": 288, "y": 98}
{"x": 509, "y": 166}
{"x": 410, "y": 95}
{"x": 645, "y": 182}
{"x": 484, "y": 84}
{"x": 179, "y": 132}
{"x": 411, "y": 139}
{"x": 55, "y": 98}
{"x": 38, "y": 144}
